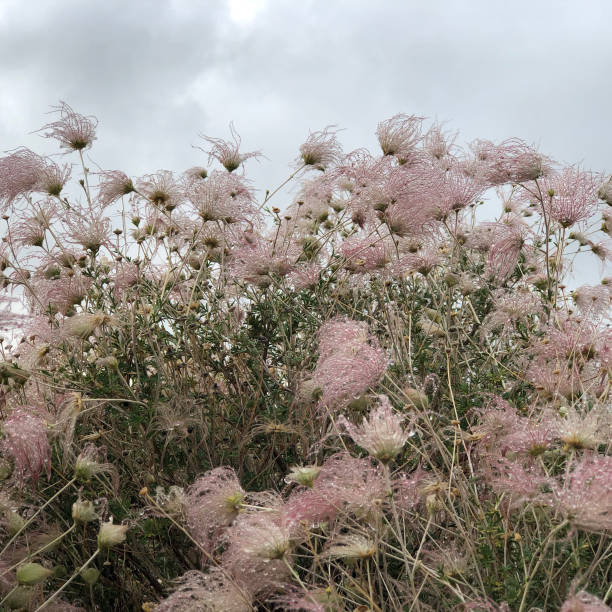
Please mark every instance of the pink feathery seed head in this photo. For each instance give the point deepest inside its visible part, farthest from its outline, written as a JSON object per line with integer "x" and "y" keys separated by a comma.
{"x": 585, "y": 496}
{"x": 530, "y": 438}
{"x": 399, "y": 136}
{"x": 214, "y": 591}
{"x": 321, "y": 149}
{"x": 364, "y": 255}
{"x": 228, "y": 153}
{"x": 195, "y": 174}
{"x": 495, "y": 421}
{"x": 90, "y": 230}
{"x": 349, "y": 372}
{"x": 19, "y": 174}
{"x": 162, "y": 189}
{"x": 504, "y": 252}
{"x": 570, "y": 196}
{"x": 212, "y": 503}
{"x": 222, "y": 197}
{"x": 437, "y": 143}
{"x": 520, "y": 481}
{"x": 580, "y": 430}
{"x": 258, "y": 548}
{"x": 352, "y": 484}
{"x": 381, "y": 434}
{"x": 305, "y": 277}
{"x": 25, "y": 440}
{"x": 52, "y": 179}
{"x": 512, "y": 161}
{"x": 592, "y": 300}
{"x": 113, "y": 185}
{"x": 59, "y": 295}
{"x": 584, "y": 602}
{"x": 73, "y": 131}
{"x": 345, "y": 485}
{"x": 341, "y": 332}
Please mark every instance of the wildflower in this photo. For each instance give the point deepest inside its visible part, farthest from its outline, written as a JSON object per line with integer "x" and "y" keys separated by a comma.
{"x": 83, "y": 325}
{"x": 363, "y": 255}
{"x": 19, "y": 174}
{"x": 228, "y": 153}
{"x": 350, "y": 547}
{"x": 584, "y": 602}
{"x": 89, "y": 230}
{"x": 114, "y": 185}
{"x": 399, "y": 136}
{"x": 83, "y": 511}
{"x": 382, "y": 435}
{"x": 580, "y": 431}
{"x": 585, "y": 497}
{"x": 321, "y": 149}
{"x": 162, "y": 189}
{"x": 111, "y": 535}
{"x": 570, "y": 196}
{"x": 212, "y": 503}
{"x": 223, "y": 197}
{"x": 72, "y": 130}
{"x": 512, "y": 161}
{"x": 258, "y": 550}
{"x": 593, "y": 300}
{"x": 25, "y": 440}
{"x": 304, "y": 475}
{"x": 350, "y": 360}
{"x": 214, "y": 591}
{"x": 87, "y": 466}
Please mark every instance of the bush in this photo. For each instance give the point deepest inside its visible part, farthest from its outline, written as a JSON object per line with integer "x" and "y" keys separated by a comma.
{"x": 373, "y": 400}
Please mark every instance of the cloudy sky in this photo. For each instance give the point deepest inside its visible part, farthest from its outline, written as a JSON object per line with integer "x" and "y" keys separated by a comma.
{"x": 157, "y": 73}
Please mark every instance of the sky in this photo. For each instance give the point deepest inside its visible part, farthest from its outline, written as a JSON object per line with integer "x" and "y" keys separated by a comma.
{"x": 159, "y": 73}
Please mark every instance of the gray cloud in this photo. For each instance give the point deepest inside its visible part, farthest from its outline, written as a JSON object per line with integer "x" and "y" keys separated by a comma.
{"x": 158, "y": 73}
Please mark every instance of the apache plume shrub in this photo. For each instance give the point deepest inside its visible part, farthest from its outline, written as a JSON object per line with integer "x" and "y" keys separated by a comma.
{"x": 386, "y": 393}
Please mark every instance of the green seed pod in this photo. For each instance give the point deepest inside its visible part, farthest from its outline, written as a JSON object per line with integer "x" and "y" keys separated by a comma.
{"x": 30, "y": 574}
{"x": 90, "y": 575}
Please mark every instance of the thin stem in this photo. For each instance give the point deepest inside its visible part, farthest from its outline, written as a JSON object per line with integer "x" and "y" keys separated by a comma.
{"x": 48, "y": 601}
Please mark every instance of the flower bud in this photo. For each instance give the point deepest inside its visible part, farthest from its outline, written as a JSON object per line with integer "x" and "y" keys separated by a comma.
{"x": 30, "y": 574}
{"x": 90, "y": 575}
{"x": 111, "y": 535}
{"x": 417, "y": 398}
{"x": 304, "y": 475}
{"x": 83, "y": 511}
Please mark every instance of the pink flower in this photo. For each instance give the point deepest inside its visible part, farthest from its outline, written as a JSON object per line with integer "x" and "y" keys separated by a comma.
{"x": 162, "y": 189}
{"x": 350, "y": 361}
{"x": 25, "y": 440}
{"x": 585, "y": 497}
{"x": 228, "y": 153}
{"x": 73, "y": 131}
{"x": 382, "y": 434}
{"x": 215, "y": 591}
{"x": 570, "y": 196}
{"x": 399, "y": 136}
{"x": 321, "y": 149}
{"x": 512, "y": 161}
{"x": 258, "y": 551}
{"x": 212, "y": 503}
{"x": 584, "y": 602}
{"x": 222, "y": 197}
{"x": 114, "y": 185}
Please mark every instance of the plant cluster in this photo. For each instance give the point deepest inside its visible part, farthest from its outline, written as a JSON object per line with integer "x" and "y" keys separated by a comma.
{"x": 372, "y": 399}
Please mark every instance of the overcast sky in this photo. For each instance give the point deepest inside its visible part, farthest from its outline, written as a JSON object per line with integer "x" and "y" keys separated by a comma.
{"x": 157, "y": 73}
